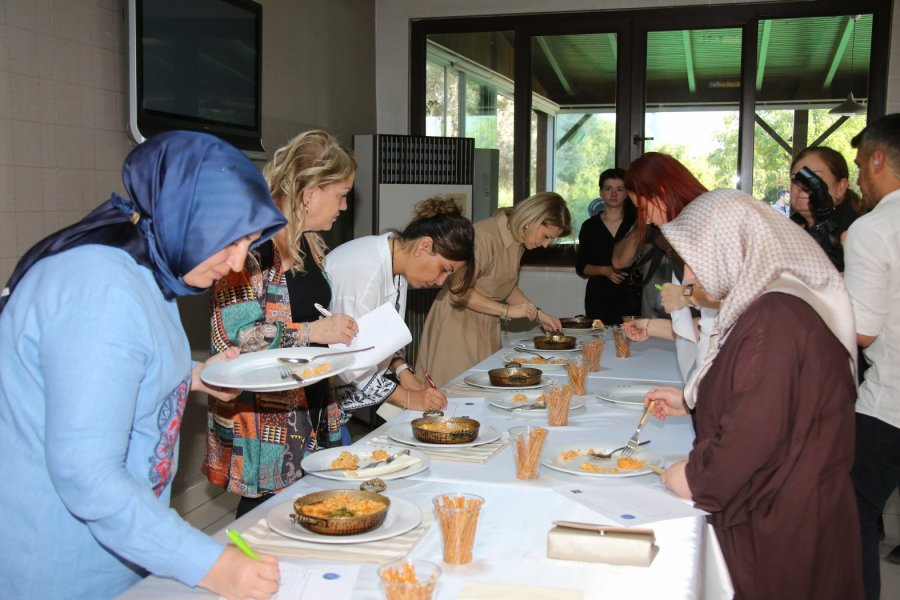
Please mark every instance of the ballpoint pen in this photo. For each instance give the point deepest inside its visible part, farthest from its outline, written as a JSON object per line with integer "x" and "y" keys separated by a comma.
{"x": 324, "y": 311}
{"x": 659, "y": 287}
{"x": 428, "y": 379}
{"x": 235, "y": 536}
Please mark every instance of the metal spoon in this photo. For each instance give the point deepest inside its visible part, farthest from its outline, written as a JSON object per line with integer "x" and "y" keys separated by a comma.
{"x": 303, "y": 361}
{"x": 532, "y": 406}
{"x": 611, "y": 452}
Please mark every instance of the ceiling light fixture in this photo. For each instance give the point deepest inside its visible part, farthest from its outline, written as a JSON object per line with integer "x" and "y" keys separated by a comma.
{"x": 851, "y": 106}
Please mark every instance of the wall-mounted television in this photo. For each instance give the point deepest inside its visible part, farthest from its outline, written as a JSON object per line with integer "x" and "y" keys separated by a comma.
{"x": 196, "y": 65}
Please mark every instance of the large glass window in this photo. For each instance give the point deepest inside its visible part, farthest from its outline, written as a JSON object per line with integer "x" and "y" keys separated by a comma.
{"x": 479, "y": 67}
{"x": 606, "y": 86}
{"x": 789, "y": 108}
{"x": 693, "y": 93}
{"x": 575, "y": 76}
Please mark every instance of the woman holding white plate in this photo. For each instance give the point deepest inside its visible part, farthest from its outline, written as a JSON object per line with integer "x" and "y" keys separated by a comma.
{"x": 256, "y": 443}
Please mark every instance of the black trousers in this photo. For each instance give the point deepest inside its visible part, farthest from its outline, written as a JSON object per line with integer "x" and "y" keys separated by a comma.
{"x": 876, "y": 471}
{"x": 245, "y": 505}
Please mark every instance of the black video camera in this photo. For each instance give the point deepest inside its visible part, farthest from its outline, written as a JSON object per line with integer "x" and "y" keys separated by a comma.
{"x": 822, "y": 208}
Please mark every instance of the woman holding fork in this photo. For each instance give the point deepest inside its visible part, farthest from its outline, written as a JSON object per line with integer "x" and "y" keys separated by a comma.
{"x": 772, "y": 402}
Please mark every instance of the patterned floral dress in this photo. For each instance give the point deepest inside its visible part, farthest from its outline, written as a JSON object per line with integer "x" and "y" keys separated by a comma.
{"x": 255, "y": 443}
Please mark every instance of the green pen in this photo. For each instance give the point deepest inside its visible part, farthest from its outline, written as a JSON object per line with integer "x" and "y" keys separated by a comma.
{"x": 235, "y": 536}
{"x": 659, "y": 286}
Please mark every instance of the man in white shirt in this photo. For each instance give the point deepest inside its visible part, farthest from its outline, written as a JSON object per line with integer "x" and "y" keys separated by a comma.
{"x": 872, "y": 256}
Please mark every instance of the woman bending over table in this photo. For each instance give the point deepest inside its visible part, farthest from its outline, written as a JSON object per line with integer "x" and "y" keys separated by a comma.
{"x": 367, "y": 272}
{"x": 661, "y": 187}
{"x": 255, "y": 444}
{"x": 772, "y": 402}
{"x": 96, "y": 370}
{"x": 463, "y": 329}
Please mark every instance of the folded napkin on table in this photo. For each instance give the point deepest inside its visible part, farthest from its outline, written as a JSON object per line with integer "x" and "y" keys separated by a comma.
{"x": 263, "y": 539}
{"x": 469, "y": 454}
{"x": 589, "y": 542}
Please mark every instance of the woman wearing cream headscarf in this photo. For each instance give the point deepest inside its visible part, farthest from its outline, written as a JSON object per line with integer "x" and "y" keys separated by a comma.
{"x": 772, "y": 402}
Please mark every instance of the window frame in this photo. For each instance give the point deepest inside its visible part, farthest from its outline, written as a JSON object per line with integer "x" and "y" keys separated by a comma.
{"x": 631, "y": 27}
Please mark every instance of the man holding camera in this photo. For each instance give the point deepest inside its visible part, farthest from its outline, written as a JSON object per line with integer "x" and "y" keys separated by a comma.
{"x": 872, "y": 256}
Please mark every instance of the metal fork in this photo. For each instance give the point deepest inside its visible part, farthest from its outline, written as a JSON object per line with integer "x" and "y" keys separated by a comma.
{"x": 287, "y": 373}
{"x": 633, "y": 441}
{"x": 541, "y": 356}
{"x": 605, "y": 455}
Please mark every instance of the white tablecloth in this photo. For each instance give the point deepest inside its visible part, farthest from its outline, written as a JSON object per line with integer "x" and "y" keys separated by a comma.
{"x": 511, "y": 542}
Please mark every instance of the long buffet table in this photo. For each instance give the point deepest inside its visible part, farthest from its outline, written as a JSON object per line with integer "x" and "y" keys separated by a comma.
{"x": 511, "y": 542}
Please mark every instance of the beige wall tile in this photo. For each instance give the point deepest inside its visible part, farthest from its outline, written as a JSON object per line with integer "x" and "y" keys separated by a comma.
{"x": 45, "y": 56}
{"x": 5, "y": 93}
{"x": 63, "y": 15}
{"x": 29, "y": 230}
{"x": 67, "y": 61}
{"x": 4, "y": 46}
{"x": 5, "y": 141}
{"x": 6, "y": 268}
{"x": 24, "y": 97}
{"x": 26, "y": 143}
{"x": 22, "y": 51}
{"x": 20, "y": 13}
{"x": 27, "y": 189}
{"x": 70, "y": 103}
{"x": 6, "y": 192}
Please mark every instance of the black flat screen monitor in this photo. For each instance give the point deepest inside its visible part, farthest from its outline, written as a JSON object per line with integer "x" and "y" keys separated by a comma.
{"x": 196, "y": 65}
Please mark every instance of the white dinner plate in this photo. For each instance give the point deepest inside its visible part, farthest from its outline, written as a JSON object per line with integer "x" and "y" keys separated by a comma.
{"x": 529, "y": 345}
{"x": 402, "y": 433}
{"x": 551, "y": 458}
{"x": 508, "y": 401}
{"x": 261, "y": 371}
{"x": 482, "y": 380}
{"x": 402, "y": 516}
{"x": 323, "y": 458}
{"x": 525, "y": 359}
{"x": 631, "y": 394}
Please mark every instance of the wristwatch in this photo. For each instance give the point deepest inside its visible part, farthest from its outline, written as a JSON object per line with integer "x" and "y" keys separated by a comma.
{"x": 687, "y": 292}
{"x": 403, "y": 367}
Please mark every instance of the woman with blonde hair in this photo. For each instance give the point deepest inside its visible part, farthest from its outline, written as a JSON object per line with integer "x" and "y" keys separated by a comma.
{"x": 369, "y": 271}
{"x": 255, "y": 444}
{"x": 464, "y": 328}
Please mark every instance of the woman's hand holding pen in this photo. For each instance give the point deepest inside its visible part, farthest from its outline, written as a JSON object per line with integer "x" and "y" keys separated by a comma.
{"x": 432, "y": 397}
{"x": 237, "y": 577}
{"x": 331, "y": 330}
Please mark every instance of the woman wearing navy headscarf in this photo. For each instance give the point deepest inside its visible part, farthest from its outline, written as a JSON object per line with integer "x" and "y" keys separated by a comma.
{"x": 95, "y": 370}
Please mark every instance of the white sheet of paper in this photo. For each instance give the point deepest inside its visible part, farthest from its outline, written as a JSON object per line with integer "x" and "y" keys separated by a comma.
{"x": 314, "y": 582}
{"x": 382, "y": 328}
{"x": 631, "y": 505}
{"x": 464, "y": 407}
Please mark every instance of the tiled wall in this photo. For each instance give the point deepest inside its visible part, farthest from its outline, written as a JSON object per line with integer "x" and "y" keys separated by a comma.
{"x": 62, "y": 123}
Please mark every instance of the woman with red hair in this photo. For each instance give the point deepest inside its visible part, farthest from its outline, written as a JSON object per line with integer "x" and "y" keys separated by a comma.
{"x": 661, "y": 187}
